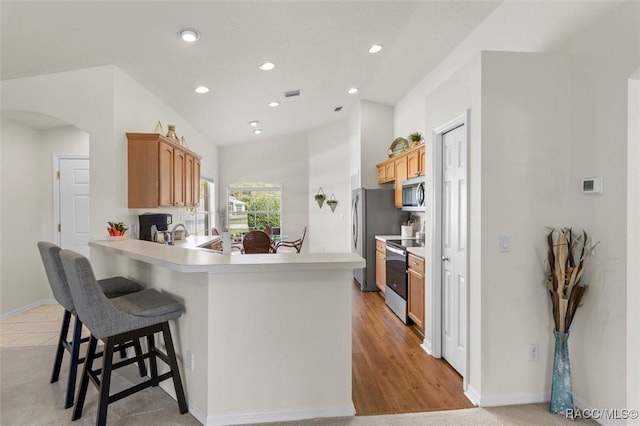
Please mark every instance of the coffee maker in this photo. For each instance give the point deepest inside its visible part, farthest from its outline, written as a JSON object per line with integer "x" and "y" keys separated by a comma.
{"x": 148, "y": 221}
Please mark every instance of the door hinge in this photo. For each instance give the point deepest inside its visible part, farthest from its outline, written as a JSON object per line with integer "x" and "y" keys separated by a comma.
{"x": 58, "y": 174}
{"x": 59, "y": 228}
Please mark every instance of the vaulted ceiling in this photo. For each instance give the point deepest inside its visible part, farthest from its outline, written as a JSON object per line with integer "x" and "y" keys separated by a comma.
{"x": 318, "y": 47}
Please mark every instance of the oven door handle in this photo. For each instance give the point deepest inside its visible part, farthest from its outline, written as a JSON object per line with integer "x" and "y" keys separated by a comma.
{"x": 397, "y": 251}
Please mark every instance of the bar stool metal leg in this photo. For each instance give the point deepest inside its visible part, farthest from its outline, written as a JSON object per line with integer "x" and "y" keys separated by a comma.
{"x": 105, "y": 381}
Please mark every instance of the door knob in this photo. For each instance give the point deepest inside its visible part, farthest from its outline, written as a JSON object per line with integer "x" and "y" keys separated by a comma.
{"x": 445, "y": 259}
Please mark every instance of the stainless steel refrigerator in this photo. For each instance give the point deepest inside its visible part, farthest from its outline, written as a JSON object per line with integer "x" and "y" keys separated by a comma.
{"x": 372, "y": 213}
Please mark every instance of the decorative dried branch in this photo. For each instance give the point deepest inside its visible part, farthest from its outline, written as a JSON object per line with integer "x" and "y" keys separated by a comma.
{"x": 566, "y": 255}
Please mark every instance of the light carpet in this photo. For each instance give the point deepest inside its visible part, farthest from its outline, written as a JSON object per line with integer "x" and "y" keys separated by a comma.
{"x": 27, "y": 398}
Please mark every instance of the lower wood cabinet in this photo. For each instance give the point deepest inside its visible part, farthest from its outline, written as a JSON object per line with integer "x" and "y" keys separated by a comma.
{"x": 416, "y": 300}
{"x": 381, "y": 267}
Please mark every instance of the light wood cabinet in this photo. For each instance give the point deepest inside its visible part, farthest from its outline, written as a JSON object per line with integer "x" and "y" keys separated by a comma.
{"x": 401, "y": 176}
{"x": 413, "y": 164}
{"x": 381, "y": 266}
{"x": 409, "y": 164}
{"x": 162, "y": 173}
{"x": 386, "y": 171}
{"x": 415, "y": 299}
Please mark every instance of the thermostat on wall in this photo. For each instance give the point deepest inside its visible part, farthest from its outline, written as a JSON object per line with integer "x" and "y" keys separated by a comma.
{"x": 592, "y": 185}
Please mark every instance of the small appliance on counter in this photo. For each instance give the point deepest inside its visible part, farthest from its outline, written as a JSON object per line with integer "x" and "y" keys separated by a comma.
{"x": 152, "y": 223}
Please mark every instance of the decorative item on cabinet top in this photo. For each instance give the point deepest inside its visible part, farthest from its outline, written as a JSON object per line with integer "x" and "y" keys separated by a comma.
{"x": 398, "y": 146}
{"x": 416, "y": 139}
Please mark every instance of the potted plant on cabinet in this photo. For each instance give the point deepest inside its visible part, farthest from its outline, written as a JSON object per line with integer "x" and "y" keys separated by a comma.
{"x": 416, "y": 139}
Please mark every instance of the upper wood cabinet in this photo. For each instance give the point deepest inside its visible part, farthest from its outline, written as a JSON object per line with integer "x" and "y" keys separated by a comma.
{"x": 162, "y": 173}
{"x": 415, "y": 158}
{"x": 401, "y": 176}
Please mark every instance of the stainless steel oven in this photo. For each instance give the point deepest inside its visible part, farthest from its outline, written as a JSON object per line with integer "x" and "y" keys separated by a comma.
{"x": 396, "y": 293}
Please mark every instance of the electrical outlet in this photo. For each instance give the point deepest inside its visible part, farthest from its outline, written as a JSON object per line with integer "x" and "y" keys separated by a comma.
{"x": 190, "y": 360}
{"x": 533, "y": 351}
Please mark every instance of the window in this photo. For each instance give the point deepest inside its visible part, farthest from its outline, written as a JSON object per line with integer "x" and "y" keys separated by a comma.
{"x": 254, "y": 205}
{"x": 200, "y": 221}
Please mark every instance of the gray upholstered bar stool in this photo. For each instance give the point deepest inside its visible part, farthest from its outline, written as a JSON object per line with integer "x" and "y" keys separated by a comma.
{"x": 118, "y": 320}
{"x": 111, "y": 287}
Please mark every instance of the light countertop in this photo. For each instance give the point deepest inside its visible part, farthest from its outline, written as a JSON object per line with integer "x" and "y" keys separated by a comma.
{"x": 418, "y": 251}
{"x": 183, "y": 258}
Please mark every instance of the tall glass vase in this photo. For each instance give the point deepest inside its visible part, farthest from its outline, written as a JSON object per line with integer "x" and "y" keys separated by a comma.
{"x": 561, "y": 395}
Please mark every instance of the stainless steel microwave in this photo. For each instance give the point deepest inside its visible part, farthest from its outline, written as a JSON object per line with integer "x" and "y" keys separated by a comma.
{"x": 413, "y": 195}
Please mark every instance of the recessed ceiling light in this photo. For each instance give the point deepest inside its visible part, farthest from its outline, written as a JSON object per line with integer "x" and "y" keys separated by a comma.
{"x": 202, "y": 89}
{"x": 375, "y": 48}
{"x": 253, "y": 123}
{"x": 352, "y": 91}
{"x": 257, "y": 131}
{"x": 274, "y": 104}
{"x": 267, "y": 66}
{"x": 189, "y": 35}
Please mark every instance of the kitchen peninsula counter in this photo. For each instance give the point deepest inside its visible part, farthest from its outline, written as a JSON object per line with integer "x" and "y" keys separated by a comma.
{"x": 262, "y": 338}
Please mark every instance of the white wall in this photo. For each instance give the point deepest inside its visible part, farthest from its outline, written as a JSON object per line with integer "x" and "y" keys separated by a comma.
{"x": 600, "y": 42}
{"x": 283, "y": 161}
{"x": 137, "y": 111}
{"x": 376, "y": 133}
{"x": 23, "y": 281}
{"x": 105, "y": 103}
{"x": 633, "y": 245}
{"x": 329, "y": 168}
{"x": 525, "y": 188}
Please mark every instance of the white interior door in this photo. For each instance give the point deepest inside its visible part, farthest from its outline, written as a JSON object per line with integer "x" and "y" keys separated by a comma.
{"x": 74, "y": 204}
{"x": 454, "y": 247}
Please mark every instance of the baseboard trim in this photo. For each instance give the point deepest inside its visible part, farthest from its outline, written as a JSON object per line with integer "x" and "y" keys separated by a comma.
{"x": 472, "y": 395}
{"x": 347, "y": 410}
{"x": 27, "y": 307}
{"x": 426, "y": 346}
{"x": 196, "y": 412}
{"x": 496, "y": 400}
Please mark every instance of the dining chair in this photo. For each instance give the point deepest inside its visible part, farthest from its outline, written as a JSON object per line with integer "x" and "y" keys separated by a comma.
{"x": 296, "y": 244}
{"x": 256, "y": 242}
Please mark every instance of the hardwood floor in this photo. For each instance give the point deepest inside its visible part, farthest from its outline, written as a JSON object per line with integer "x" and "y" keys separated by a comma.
{"x": 391, "y": 372}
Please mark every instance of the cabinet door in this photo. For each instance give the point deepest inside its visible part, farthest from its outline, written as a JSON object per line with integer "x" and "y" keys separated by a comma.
{"x": 381, "y": 271}
{"x": 165, "y": 175}
{"x": 416, "y": 299}
{"x": 179, "y": 161}
{"x": 381, "y": 174}
{"x": 413, "y": 164}
{"x": 188, "y": 181}
{"x": 390, "y": 171}
{"x": 196, "y": 181}
{"x": 423, "y": 164}
{"x": 401, "y": 175}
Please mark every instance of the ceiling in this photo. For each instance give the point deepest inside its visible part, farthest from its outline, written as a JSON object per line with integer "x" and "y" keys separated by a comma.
{"x": 319, "y": 47}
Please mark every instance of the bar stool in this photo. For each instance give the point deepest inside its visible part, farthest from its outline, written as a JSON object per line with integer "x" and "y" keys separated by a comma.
{"x": 112, "y": 287}
{"x": 118, "y": 320}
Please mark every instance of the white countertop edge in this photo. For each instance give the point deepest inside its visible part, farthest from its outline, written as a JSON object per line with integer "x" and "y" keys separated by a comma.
{"x": 418, "y": 251}
{"x": 190, "y": 260}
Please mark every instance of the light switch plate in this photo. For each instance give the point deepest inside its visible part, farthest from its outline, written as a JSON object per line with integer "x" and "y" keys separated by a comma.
{"x": 504, "y": 243}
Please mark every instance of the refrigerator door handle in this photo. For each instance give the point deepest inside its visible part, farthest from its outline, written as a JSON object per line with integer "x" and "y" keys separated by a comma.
{"x": 354, "y": 224}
